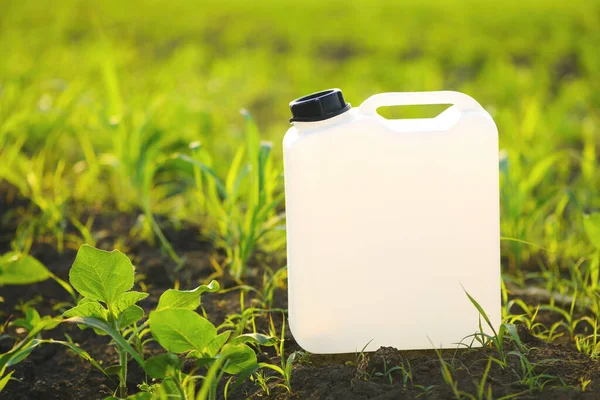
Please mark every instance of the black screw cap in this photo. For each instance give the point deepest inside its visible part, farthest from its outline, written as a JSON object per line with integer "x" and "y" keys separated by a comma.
{"x": 319, "y": 106}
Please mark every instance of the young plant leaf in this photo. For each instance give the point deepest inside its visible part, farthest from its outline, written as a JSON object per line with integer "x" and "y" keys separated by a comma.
{"x": 185, "y": 299}
{"x": 212, "y": 348}
{"x": 514, "y": 334}
{"x": 481, "y": 312}
{"x": 88, "y": 308}
{"x": 21, "y": 269}
{"x": 239, "y": 358}
{"x": 23, "y": 353}
{"x": 101, "y": 275}
{"x": 131, "y": 315}
{"x": 4, "y": 380}
{"x": 180, "y": 331}
{"x": 168, "y": 389}
{"x": 162, "y": 365}
{"x": 126, "y": 300}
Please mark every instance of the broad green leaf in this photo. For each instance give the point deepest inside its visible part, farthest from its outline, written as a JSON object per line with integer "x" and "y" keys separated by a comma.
{"x": 21, "y": 269}
{"x": 239, "y": 358}
{"x": 180, "y": 331}
{"x": 131, "y": 315}
{"x": 94, "y": 323}
{"x": 184, "y": 299}
{"x": 88, "y": 308}
{"x": 591, "y": 223}
{"x": 213, "y": 347}
{"x": 162, "y": 365}
{"x": 257, "y": 338}
{"x": 4, "y": 380}
{"x": 168, "y": 389}
{"x": 126, "y": 300}
{"x": 101, "y": 275}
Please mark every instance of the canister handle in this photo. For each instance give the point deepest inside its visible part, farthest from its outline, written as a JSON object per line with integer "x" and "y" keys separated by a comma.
{"x": 462, "y": 101}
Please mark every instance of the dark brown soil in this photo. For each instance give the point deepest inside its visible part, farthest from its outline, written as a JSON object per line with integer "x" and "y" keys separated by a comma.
{"x": 54, "y": 372}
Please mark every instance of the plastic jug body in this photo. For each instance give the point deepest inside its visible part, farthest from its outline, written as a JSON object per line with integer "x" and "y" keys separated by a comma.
{"x": 389, "y": 223}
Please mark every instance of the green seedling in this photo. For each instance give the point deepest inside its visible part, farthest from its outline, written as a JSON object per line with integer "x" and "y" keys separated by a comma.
{"x": 43, "y": 185}
{"x": 104, "y": 280}
{"x": 447, "y": 374}
{"x": 263, "y": 381}
{"x": 407, "y": 374}
{"x": 529, "y": 376}
{"x": 536, "y": 328}
{"x": 387, "y": 373}
{"x": 284, "y": 370}
{"x": 506, "y": 331}
{"x": 425, "y": 390}
{"x": 244, "y": 205}
{"x": 271, "y": 282}
{"x": 584, "y": 383}
{"x": 484, "y": 392}
{"x": 570, "y": 323}
{"x": 180, "y": 330}
{"x": 139, "y": 157}
{"x": 590, "y": 344}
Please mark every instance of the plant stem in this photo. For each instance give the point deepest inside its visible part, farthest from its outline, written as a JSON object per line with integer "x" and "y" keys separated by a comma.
{"x": 179, "y": 387}
{"x": 166, "y": 245}
{"x": 123, "y": 374}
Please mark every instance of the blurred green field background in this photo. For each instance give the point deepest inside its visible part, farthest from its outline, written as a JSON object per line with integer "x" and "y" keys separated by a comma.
{"x": 87, "y": 87}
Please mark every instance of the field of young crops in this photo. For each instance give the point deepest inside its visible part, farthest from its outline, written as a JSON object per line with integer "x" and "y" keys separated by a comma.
{"x": 154, "y": 128}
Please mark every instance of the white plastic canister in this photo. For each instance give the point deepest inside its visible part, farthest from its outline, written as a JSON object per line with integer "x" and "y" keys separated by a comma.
{"x": 390, "y": 222}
